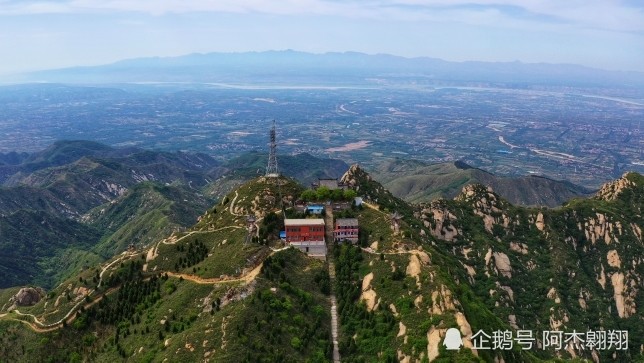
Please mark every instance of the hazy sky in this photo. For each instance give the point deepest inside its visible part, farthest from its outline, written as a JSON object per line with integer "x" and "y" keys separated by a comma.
{"x": 44, "y": 34}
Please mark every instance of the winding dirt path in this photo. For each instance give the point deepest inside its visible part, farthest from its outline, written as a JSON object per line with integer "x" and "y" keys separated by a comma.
{"x": 40, "y": 327}
{"x": 69, "y": 318}
{"x": 153, "y": 252}
{"x": 232, "y": 206}
{"x": 373, "y": 206}
{"x": 122, "y": 257}
{"x": 410, "y": 252}
{"x": 247, "y": 277}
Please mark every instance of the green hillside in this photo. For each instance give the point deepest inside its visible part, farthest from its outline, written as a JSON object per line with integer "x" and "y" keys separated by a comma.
{"x": 417, "y": 182}
{"x": 145, "y": 214}
{"x": 304, "y": 168}
{"x": 122, "y": 196}
{"x": 41, "y": 248}
{"x": 218, "y": 292}
{"x": 31, "y": 240}
{"x": 45, "y": 227}
{"x": 201, "y": 293}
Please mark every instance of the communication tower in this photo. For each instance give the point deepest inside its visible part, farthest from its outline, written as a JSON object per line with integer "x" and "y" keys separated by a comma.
{"x": 271, "y": 168}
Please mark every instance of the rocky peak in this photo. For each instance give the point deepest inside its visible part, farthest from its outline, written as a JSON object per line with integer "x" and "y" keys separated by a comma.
{"x": 354, "y": 175}
{"x": 487, "y": 204}
{"x": 612, "y": 190}
{"x": 482, "y": 197}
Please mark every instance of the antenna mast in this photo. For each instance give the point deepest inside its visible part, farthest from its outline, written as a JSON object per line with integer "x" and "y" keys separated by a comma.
{"x": 271, "y": 169}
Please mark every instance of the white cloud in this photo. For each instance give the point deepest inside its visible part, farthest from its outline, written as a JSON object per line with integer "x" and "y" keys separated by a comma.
{"x": 592, "y": 14}
{"x": 601, "y": 14}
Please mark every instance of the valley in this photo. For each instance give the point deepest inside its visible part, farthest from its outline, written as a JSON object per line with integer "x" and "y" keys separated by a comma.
{"x": 561, "y": 134}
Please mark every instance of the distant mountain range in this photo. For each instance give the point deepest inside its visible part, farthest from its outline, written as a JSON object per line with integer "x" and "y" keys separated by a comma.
{"x": 336, "y": 69}
{"x": 416, "y": 182}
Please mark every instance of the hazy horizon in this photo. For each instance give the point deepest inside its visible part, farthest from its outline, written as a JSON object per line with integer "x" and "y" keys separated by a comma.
{"x": 311, "y": 53}
{"x": 39, "y": 35}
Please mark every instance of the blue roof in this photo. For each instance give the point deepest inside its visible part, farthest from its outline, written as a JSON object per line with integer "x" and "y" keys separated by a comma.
{"x": 315, "y": 207}
{"x": 282, "y": 234}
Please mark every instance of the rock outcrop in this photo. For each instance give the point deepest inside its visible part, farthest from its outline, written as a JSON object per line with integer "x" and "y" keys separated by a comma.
{"x": 611, "y": 191}
{"x": 439, "y": 220}
{"x": 502, "y": 263}
{"x": 368, "y": 294}
{"x": 27, "y": 296}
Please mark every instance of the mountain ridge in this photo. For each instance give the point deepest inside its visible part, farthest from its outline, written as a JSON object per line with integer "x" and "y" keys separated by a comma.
{"x": 339, "y": 68}
{"x": 472, "y": 263}
{"x": 115, "y": 197}
{"x": 418, "y": 182}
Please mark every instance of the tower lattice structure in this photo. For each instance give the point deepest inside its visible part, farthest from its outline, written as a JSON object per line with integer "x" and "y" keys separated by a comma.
{"x": 271, "y": 168}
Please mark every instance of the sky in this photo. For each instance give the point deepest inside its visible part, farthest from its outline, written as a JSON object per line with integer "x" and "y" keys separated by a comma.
{"x": 45, "y": 34}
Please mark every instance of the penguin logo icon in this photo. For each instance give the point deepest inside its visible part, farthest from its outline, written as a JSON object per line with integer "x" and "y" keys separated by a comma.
{"x": 453, "y": 340}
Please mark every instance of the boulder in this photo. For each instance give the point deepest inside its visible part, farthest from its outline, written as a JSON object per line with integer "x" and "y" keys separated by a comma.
{"x": 28, "y": 296}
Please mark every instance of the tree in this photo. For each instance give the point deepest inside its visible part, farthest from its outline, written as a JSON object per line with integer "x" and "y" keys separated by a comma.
{"x": 337, "y": 194}
{"x": 75, "y": 357}
{"x": 323, "y": 193}
{"x": 350, "y": 194}
{"x": 296, "y": 343}
{"x": 308, "y": 195}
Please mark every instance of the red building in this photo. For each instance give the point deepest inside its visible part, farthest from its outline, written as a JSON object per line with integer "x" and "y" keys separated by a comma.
{"x": 346, "y": 229}
{"x": 306, "y": 235}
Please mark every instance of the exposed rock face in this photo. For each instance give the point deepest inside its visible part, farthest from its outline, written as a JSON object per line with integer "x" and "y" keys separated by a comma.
{"x": 618, "y": 285}
{"x": 486, "y": 204}
{"x": 637, "y": 231}
{"x": 413, "y": 269}
{"x": 601, "y": 279}
{"x": 402, "y": 330}
{"x": 442, "y": 301}
{"x": 521, "y": 248}
{"x": 366, "y": 282}
{"x": 502, "y": 263}
{"x": 553, "y": 295}
{"x": 28, "y": 296}
{"x": 612, "y": 190}
{"x": 603, "y": 239}
{"x": 402, "y": 358}
{"x": 392, "y": 307}
{"x": 625, "y": 293}
{"x": 466, "y": 330}
{"x": 350, "y": 177}
{"x": 539, "y": 222}
{"x": 424, "y": 257}
{"x": 512, "y": 320}
{"x": 434, "y": 337}
{"x": 418, "y": 301}
{"x": 600, "y": 229}
{"x": 613, "y": 259}
{"x": 440, "y": 218}
{"x": 368, "y": 294}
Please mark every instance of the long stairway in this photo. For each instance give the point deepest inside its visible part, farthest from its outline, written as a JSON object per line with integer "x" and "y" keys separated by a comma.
{"x": 329, "y": 255}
